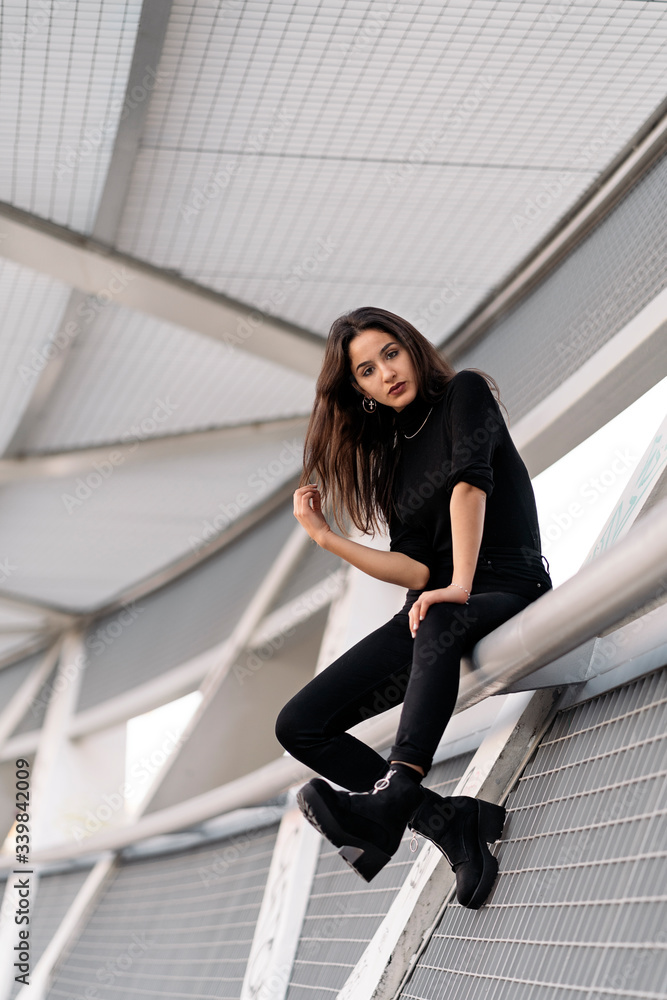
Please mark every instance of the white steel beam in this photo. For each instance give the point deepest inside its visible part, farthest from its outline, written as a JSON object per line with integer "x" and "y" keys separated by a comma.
{"x": 54, "y": 465}
{"x": 18, "y": 705}
{"x": 175, "y": 769}
{"x": 146, "y": 56}
{"x": 98, "y": 269}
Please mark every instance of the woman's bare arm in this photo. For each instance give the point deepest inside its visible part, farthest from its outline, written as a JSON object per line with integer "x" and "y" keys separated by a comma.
{"x": 392, "y": 567}
{"x": 466, "y": 511}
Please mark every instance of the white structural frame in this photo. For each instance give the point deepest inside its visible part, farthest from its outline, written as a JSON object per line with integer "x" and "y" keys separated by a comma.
{"x": 148, "y": 45}
{"x": 93, "y": 267}
{"x": 560, "y": 621}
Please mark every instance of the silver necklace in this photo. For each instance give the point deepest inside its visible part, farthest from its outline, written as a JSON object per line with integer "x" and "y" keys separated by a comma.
{"x": 409, "y": 436}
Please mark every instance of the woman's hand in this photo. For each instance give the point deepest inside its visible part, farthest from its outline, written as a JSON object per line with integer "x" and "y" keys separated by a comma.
{"x": 310, "y": 518}
{"x": 450, "y": 595}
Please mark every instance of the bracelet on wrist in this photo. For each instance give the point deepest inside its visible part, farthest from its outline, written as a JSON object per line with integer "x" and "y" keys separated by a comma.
{"x": 459, "y": 587}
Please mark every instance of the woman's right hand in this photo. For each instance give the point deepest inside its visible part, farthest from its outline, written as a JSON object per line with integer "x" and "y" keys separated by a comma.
{"x": 310, "y": 518}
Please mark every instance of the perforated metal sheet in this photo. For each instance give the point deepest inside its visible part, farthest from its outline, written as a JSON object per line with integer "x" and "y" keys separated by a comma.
{"x": 344, "y": 913}
{"x": 174, "y": 926}
{"x": 128, "y": 362}
{"x": 83, "y": 539}
{"x": 182, "y": 619}
{"x": 310, "y": 158}
{"x": 580, "y": 905}
{"x": 592, "y": 294}
{"x": 63, "y": 73}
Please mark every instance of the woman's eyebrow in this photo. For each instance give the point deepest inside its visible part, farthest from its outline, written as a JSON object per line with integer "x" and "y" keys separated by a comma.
{"x": 381, "y": 351}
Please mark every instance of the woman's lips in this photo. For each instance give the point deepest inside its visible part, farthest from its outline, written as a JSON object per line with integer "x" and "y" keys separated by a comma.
{"x": 397, "y": 389}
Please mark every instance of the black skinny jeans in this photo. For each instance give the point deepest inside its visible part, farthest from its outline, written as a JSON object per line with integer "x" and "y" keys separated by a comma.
{"x": 384, "y": 669}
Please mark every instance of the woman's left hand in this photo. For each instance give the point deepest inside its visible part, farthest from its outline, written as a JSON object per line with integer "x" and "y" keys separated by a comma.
{"x": 450, "y": 595}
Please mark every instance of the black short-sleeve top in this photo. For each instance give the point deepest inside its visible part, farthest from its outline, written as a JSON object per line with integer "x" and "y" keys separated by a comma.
{"x": 463, "y": 438}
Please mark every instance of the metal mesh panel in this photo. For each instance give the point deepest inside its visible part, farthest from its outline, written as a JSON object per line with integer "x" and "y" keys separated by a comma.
{"x": 580, "y": 905}
{"x": 343, "y": 913}
{"x": 180, "y": 925}
{"x": 592, "y": 294}
{"x": 63, "y": 73}
{"x": 54, "y": 895}
{"x": 127, "y": 363}
{"x": 404, "y": 137}
{"x": 181, "y": 620}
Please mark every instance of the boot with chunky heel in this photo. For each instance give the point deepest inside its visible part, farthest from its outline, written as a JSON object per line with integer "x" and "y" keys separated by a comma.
{"x": 461, "y": 827}
{"x": 367, "y": 826}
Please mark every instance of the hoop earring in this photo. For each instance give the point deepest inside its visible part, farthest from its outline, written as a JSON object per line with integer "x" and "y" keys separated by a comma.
{"x": 369, "y": 404}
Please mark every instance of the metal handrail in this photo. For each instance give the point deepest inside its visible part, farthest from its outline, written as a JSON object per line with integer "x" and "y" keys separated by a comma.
{"x": 622, "y": 580}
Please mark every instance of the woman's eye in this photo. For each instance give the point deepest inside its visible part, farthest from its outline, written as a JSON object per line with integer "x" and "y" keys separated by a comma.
{"x": 366, "y": 371}
{"x": 392, "y": 354}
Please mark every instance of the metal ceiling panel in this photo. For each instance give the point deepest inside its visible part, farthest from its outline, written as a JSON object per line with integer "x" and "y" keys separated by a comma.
{"x": 181, "y": 620}
{"x": 180, "y": 925}
{"x": 120, "y": 370}
{"x": 80, "y": 540}
{"x": 63, "y": 74}
{"x": 303, "y": 158}
{"x": 596, "y": 290}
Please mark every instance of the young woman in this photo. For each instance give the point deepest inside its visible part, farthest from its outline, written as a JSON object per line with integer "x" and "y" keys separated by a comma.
{"x": 398, "y": 438}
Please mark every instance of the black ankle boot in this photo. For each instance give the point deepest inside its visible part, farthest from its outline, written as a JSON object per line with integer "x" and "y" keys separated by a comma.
{"x": 367, "y": 826}
{"x": 461, "y": 827}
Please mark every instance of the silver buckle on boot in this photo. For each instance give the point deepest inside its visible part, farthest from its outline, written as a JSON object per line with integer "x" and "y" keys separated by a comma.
{"x": 382, "y": 783}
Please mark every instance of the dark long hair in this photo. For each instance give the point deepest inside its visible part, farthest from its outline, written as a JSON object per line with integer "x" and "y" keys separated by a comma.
{"x": 352, "y": 454}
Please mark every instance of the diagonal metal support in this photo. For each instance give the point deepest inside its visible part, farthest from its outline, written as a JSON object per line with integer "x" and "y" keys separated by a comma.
{"x": 78, "y": 316}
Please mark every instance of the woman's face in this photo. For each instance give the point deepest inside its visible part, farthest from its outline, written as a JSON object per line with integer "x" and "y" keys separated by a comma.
{"x": 383, "y": 369}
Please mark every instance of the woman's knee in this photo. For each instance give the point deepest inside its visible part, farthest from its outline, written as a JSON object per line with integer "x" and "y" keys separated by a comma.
{"x": 290, "y": 724}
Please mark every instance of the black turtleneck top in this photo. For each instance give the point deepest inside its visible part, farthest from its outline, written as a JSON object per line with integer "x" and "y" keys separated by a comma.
{"x": 463, "y": 438}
